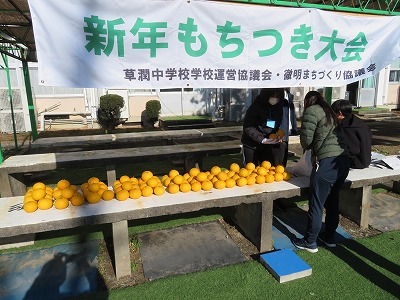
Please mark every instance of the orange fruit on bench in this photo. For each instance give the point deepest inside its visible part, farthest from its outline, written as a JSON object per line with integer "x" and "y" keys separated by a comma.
{"x": 173, "y": 188}
{"x": 251, "y": 180}
{"x": 94, "y": 187}
{"x": 135, "y": 193}
{"x": 127, "y": 185}
{"x": 262, "y": 171}
{"x": 266, "y": 164}
{"x": 215, "y": 170}
{"x": 45, "y": 203}
{"x": 147, "y": 191}
{"x": 178, "y": 179}
{"x": 196, "y": 186}
{"x": 234, "y": 167}
{"x": 61, "y": 203}
{"x": 124, "y": 178}
{"x": 92, "y": 198}
{"x": 202, "y": 176}
{"x": 250, "y": 166}
{"x": 77, "y": 199}
{"x": 30, "y": 206}
{"x": 63, "y": 184}
{"x": 173, "y": 173}
{"x": 269, "y": 178}
{"x": 279, "y": 169}
{"x": 222, "y": 176}
{"x": 39, "y": 185}
{"x": 146, "y": 175}
{"x": 286, "y": 176}
{"x": 244, "y": 172}
{"x": 206, "y": 185}
{"x": 193, "y": 172}
{"x": 28, "y": 199}
{"x": 107, "y": 195}
{"x": 260, "y": 179}
{"x": 278, "y": 177}
{"x": 38, "y": 194}
{"x": 229, "y": 183}
{"x": 241, "y": 181}
{"x": 93, "y": 180}
{"x": 57, "y": 194}
{"x": 219, "y": 184}
{"x": 159, "y": 190}
{"x": 185, "y": 187}
{"x": 122, "y": 195}
{"x": 67, "y": 193}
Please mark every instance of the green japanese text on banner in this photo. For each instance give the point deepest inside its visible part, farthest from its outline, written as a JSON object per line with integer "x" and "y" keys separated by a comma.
{"x": 175, "y": 43}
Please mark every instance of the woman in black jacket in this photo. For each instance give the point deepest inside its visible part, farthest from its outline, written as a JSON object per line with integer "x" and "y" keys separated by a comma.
{"x": 263, "y": 117}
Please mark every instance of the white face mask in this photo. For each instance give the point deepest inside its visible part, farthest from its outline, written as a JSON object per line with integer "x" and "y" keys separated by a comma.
{"x": 273, "y": 100}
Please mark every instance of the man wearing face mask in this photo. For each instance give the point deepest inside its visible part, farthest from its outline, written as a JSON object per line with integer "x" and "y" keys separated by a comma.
{"x": 263, "y": 117}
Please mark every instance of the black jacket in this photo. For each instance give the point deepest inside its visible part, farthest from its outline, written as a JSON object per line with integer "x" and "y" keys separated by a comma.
{"x": 358, "y": 138}
{"x": 255, "y": 120}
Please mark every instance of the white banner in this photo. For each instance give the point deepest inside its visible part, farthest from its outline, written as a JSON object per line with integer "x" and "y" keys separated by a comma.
{"x": 205, "y": 44}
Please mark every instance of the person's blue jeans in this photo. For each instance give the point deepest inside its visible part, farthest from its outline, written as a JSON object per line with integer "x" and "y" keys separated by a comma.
{"x": 325, "y": 182}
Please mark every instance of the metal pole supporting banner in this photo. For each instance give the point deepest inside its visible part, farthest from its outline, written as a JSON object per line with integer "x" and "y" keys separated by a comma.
{"x": 31, "y": 108}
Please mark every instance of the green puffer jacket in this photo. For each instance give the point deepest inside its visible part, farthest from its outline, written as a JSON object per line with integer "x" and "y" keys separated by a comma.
{"x": 324, "y": 140}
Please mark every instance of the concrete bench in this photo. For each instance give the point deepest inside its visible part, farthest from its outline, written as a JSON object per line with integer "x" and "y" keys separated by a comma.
{"x": 12, "y": 170}
{"x": 14, "y": 221}
{"x": 133, "y": 139}
{"x": 61, "y": 114}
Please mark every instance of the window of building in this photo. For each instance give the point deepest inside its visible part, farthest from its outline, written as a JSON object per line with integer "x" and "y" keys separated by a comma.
{"x": 394, "y": 76}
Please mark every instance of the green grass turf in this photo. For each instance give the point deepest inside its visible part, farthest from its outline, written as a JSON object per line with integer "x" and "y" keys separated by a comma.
{"x": 358, "y": 269}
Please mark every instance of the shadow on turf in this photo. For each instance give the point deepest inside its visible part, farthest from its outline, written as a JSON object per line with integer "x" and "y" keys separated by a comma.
{"x": 345, "y": 253}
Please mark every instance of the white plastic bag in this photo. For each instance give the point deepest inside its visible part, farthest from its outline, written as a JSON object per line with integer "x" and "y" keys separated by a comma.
{"x": 304, "y": 165}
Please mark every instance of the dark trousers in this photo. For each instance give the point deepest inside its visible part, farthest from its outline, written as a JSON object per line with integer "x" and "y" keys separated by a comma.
{"x": 325, "y": 182}
{"x": 276, "y": 154}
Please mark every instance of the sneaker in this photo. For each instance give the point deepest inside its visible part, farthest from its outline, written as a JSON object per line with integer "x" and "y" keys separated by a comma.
{"x": 302, "y": 244}
{"x": 329, "y": 242}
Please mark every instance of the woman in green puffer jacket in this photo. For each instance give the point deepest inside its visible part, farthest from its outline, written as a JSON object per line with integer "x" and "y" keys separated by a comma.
{"x": 319, "y": 132}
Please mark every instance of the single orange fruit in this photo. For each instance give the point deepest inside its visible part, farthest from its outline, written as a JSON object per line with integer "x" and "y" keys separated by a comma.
{"x": 67, "y": 193}
{"x": 222, "y": 176}
{"x": 173, "y": 173}
{"x": 251, "y": 180}
{"x": 135, "y": 193}
{"x": 146, "y": 175}
{"x": 185, "y": 187}
{"x": 281, "y": 133}
{"x": 194, "y": 171}
{"x": 94, "y": 187}
{"x": 266, "y": 164}
{"x": 273, "y": 136}
{"x": 229, "y": 183}
{"x": 286, "y": 176}
{"x": 206, "y": 185}
{"x": 61, "y": 203}
{"x": 124, "y": 178}
{"x": 153, "y": 181}
{"x": 147, "y": 191}
{"x": 63, "y": 184}
{"x": 260, "y": 179}
{"x": 278, "y": 177}
{"x": 178, "y": 179}
{"x": 262, "y": 171}
{"x": 77, "y": 200}
{"x": 269, "y": 178}
{"x": 219, "y": 184}
{"x": 173, "y": 188}
{"x": 159, "y": 190}
{"x": 122, "y": 195}
{"x": 39, "y": 185}
{"x": 30, "y": 206}
{"x": 250, "y": 166}
{"x": 196, "y": 186}
{"x": 127, "y": 185}
{"x": 93, "y": 180}
{"x": 202, "y": 176}
{"x": 29, "y": 199}
{"x": 215, "y": 170}
{"x": 234, "y": 167}
{"x": 45, "y": 203}
{"x": 107, "y": 195}
{"x": 279, "y": 169}
{"x": 38, "y": 194}
{"x": 243, "y": 172}
{"x": 92, "y": 198}
{"x": 241, "y": 181}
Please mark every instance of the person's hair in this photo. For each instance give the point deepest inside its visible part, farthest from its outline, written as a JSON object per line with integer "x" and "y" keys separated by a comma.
{"x": 272, "y": 92}
{"x": 315, "y": 98}
{"x": 343, "y": 106}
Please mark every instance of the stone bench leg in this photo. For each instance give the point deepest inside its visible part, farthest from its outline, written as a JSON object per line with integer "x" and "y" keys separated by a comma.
{"x": 12, "y": 185}
{"x": 111, "y": 175}
{"x": 255, "y": 221}
{"x": 122, "y": 255}
{"x": 355, "y": 204}
{"x": 396, "y": 187}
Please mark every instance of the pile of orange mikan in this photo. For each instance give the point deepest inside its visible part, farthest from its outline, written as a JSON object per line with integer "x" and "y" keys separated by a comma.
{"x": 44, "y": 197}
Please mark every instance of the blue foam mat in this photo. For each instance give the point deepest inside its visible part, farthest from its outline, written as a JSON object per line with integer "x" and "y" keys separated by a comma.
{"x": 52, "y": 273}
